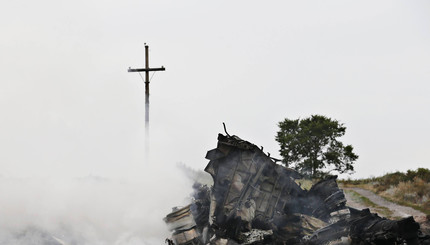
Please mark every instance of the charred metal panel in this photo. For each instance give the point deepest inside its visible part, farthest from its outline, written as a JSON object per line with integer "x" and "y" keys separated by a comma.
{"x": 247, "y": 181}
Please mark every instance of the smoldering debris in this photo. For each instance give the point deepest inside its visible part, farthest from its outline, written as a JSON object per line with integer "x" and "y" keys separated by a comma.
{"x": 253, "y": 200}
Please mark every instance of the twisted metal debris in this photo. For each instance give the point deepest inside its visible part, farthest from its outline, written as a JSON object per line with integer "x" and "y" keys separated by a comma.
{"x": 253, "y": 200}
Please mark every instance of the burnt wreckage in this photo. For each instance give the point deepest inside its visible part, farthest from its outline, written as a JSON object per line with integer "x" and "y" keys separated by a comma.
{"x": 253, "y": 200}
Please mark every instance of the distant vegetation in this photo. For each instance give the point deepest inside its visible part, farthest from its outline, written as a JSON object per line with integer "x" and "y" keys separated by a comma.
{"x": 411, "y": 188}
{"x": 311, "y": 146}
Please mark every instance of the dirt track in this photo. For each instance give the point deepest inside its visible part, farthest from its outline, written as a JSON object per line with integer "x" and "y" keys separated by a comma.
{"x": 398, "y": 211}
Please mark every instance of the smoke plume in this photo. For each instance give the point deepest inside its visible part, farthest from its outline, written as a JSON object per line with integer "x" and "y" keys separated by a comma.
{"x": 90, "y": 210}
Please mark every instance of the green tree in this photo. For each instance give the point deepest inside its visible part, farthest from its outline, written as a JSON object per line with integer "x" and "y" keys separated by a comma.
{"x": 310, "y": 146}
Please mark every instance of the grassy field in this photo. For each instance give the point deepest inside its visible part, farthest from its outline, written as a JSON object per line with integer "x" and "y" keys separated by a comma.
{"x": 409, "y": 189}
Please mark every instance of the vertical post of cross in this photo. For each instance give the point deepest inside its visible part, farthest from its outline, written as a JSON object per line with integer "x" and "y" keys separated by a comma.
{"x": 146, "y": 90}
{"x": 147, "y": 69}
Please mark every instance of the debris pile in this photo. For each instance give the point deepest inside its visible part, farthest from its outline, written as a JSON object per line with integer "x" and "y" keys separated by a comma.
{"x": 253, "y": 200}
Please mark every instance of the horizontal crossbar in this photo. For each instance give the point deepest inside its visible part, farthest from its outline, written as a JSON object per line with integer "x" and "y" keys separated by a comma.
{"x": 144, "y": 69}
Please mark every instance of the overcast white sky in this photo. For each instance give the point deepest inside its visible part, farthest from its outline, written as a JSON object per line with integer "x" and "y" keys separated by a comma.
{"x": 69, "y": 107}
{"x": 72, "y": 135}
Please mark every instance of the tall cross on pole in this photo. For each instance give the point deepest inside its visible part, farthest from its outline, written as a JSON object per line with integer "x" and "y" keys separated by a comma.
{"x": 146, "y": 70}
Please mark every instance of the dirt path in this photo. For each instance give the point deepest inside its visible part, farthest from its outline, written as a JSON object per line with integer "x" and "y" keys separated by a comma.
{"x": 385, "y": 208}
{"x": 397, "y": 210}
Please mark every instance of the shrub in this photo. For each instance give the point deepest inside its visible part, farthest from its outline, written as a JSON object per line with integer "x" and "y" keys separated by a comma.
{"x": 412, "y": 191}
{"x": 424, "y": 174}
{"x": 420, "y": 187}
{"x": 421, "y": 173}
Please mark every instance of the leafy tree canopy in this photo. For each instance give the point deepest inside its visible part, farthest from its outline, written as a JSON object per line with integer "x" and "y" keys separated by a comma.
{"x": 310, "y": 146}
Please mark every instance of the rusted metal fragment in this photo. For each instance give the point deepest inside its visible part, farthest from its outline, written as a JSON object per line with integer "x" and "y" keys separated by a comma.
{"x": 180, "y": 219}
{"x": 182, "y": 222}
{"x": 190, "y": 237}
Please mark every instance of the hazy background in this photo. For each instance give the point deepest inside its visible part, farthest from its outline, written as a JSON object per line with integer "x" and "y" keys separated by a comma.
{"x": 70, "y": 110}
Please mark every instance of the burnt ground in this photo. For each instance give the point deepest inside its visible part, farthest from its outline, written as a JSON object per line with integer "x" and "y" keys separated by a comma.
{"x": 384, "y": 207}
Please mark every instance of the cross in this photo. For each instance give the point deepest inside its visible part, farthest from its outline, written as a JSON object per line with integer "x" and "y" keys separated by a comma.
{"x": 146, "y": 70}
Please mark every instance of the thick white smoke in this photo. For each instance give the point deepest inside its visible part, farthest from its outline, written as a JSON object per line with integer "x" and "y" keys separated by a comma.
{"x": 90, "y": 210}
